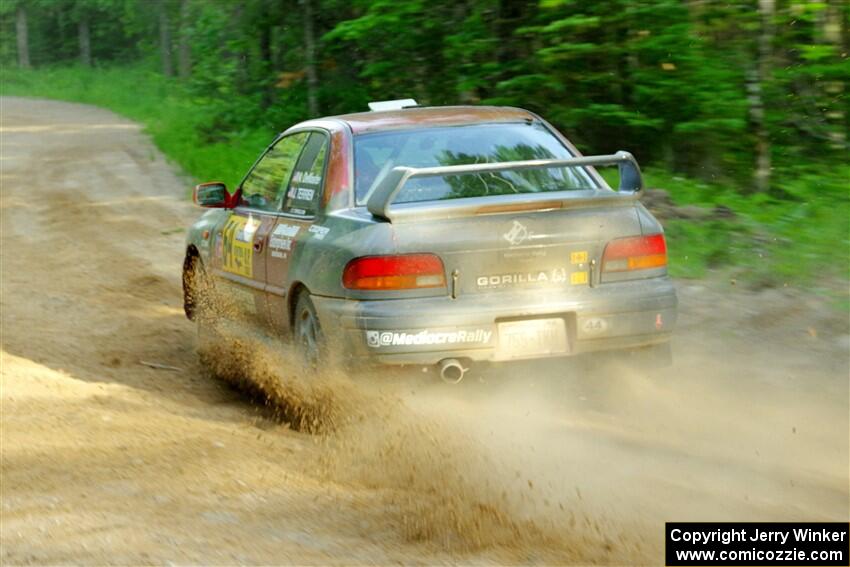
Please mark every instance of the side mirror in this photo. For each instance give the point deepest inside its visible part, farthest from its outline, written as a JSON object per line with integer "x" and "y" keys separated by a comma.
{"x": 213, "y": 195}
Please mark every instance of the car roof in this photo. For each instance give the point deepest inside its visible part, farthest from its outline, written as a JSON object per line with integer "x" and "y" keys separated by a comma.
{"x": 426, "y": 116}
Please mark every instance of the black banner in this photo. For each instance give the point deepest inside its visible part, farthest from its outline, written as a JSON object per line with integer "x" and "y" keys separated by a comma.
{"x": 754, "y": 543}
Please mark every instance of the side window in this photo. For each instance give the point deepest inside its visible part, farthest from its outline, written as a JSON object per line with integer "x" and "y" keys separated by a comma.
{"x": 264, "y": 187}
{"x": 305, "y": 187}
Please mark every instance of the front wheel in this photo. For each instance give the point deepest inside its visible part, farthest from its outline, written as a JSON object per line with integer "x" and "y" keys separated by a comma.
{"x": 307, "y": 332}
{"x": 192, "y": 276}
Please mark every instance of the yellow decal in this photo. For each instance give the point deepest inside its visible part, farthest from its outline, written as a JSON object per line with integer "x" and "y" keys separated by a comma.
{"x": 238, "y": 247}
{"x": 577, "y": 278}
{"x": 578, "y": 257}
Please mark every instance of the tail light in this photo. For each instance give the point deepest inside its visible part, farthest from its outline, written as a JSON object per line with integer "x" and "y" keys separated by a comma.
{"x": 405, "y": 271}
{"x": 635, "y": 253}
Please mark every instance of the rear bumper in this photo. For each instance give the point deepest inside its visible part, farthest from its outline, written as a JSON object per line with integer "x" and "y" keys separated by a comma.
{"x": 424, "y": 331}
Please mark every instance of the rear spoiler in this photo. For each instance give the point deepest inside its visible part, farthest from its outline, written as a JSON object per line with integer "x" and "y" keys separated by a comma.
{"x": 379, "y": 203}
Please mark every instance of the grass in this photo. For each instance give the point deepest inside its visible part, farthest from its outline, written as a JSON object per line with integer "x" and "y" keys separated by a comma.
{"x": 802, "y": 239}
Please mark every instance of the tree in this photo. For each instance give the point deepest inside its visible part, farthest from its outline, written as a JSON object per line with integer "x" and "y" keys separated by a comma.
{"x": 84, "y": 33}
{"x": 725, "y": 91}
{"x": 758, "y": 77}
{"x": 165, "y": 39}
{"x": 22, "y": 36}
{"x": 184, "y": 49}
{"x": 310, "y": 59}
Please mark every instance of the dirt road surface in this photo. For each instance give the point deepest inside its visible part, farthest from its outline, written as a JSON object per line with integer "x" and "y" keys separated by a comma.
{"x": 108, "y": 460}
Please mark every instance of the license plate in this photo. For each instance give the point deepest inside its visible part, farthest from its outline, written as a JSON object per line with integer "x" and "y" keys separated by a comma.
{"x": 535, "y": 337}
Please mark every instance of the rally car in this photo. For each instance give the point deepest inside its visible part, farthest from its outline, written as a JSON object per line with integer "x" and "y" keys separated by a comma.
{"x": 435, "y": 236}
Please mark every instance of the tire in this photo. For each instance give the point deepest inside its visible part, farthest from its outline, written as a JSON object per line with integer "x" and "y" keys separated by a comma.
{"x": 307, "y": 332}
{"x": 191, "y": 277}
{"x": 197, "y": 302}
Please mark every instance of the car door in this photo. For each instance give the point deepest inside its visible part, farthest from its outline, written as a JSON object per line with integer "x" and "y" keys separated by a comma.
{"x": 241, "y": 255}
{"x": 298, "y": 212}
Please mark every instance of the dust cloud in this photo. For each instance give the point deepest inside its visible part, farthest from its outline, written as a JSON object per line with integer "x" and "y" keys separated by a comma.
{"x": 579, "y": 460}
{"x": 445, "y": 484}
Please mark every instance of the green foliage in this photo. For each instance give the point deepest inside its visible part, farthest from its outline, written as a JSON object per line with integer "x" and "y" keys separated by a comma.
{"x": 696, "y": 90}
{"x": 803, "y": 239}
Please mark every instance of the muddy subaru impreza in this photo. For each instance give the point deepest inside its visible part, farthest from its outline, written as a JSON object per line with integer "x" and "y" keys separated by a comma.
{"x": 436, "y": 236}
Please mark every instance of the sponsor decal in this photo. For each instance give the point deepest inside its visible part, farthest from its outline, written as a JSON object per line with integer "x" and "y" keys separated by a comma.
{"x": 578, "y": 257}
{"x": 247, "y": 229}
{"x": 557, "y": 275}
{"x": 524, "y": 253}
{"x": 518, "y": 234}
{"x": 281, "y": 239}
{"x": 281, "y": 244}
{"x": 578, "y": 278}
{"x": 594, "y": 326}
{"x": 319, "y": 231}
{"x": 237, "y": 248}
{"x": 286, "y": 230}
{"x": 304, "y": 194}
{"x": 295, "y": 211}
{"x": 378, "y": 339}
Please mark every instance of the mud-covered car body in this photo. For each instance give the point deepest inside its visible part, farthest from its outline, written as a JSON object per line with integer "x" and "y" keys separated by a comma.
{"x": 423, "y": 234}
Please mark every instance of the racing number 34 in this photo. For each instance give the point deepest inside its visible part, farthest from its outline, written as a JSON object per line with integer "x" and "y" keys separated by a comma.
{"x": 237, "y": 245}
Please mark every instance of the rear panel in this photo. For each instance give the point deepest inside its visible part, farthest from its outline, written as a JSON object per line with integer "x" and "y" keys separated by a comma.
{"x": 543, "y": 250}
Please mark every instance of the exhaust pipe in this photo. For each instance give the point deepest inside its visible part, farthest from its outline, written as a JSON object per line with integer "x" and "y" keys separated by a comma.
{"x": 451, "y": 370}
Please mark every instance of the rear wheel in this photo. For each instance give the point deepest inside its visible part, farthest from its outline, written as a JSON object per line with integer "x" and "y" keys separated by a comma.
{"x": 307, "y": 332}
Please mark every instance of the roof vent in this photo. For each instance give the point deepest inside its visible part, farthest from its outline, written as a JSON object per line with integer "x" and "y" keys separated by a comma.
{"x": 380, "y": 105}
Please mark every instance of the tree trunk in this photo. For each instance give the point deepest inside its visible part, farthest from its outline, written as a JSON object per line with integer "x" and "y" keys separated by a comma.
{"x": 834, "y": 33}
{"x": 265, "y": 31}
{"x": 310, "y": 56}
{"x": 23, "y": 38}
{"x": 85, "y": 40}
{"x": 758, "y": 77}
{"x": 165, "y": 40}
{"x": 240, "y": 56}
{"x": 184, "y": 53}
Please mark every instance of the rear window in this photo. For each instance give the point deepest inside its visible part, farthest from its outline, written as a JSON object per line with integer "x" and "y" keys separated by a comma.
{"x": 378, "y": 153}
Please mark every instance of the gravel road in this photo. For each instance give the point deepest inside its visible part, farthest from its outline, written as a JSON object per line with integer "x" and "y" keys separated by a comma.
{"x": 106, "y": 459}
